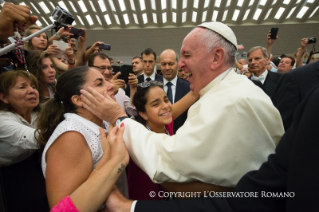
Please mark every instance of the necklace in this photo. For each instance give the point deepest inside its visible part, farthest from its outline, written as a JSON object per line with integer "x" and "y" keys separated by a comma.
{"x": 148, "y": 127}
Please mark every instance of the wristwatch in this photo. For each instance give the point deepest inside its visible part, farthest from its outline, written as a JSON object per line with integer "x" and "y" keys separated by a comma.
{"x": 118, "y": 121}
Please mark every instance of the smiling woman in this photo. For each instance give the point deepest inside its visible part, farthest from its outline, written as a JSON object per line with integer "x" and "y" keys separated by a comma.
{"x": 70, "y": 135}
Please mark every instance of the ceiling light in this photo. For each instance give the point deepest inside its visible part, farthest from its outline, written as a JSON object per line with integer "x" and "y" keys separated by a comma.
{"x": 194, "y": 16}
{"x": 311, "y": 1}
{"x": 225, "y": 15}
{"x": 144, "y": 16}
{"x": 82, "y": 6}
{"x": 89, "y": 19}
{"x": 22, "y": 3}
{"x": 204, "y": 16}
{"x": 240, "y": 3}
{"x": 268, "y": 13}
{"x": 206, "y": 3}
{"x": 153, "y": 4}
{"x": 174, "y": 17}
{"x": 142, "y": 3}
{"x": 122, "y": 5}
{"x": 135, "y": 18}
{"x": 102, "y": 5}
{"x": 35, "y": 9}
{"x": 72, "y": 6}
{"x": 235, "y": 16}
{"x": 117, "y": 19}
{"x": 155, "y": 18}
{"x": 174, "y": 4}
{"x": 61, "y": 3}
{"x": 257, "y": 14}
{"x": 195, "y": 3}
{"x": 80, "y": 19}
{"x": 132, "y": 5}
{"x": 38, "y": 23}
{"x": 92, "y": 5}
{"x": 112, "y": 5}
{"x": 44, "y": 7}
{"x": 184, "y": 17}
{"x": 314, "y": 12}
{"x": 302, "y": 12}
{"x": 251, "y": 2}
{"x": 286, "y": 2}
{"x": 164, "y": 17}
{"x": 246, "y": 14}
{"x": 279, "y": 12}
{"x": 126, "y": 20}
{"x": 98, "y": 19}
{"x": 263, "y": 2}
{"x": 184, "y": 4}
{"x": 217, "y": 3}
{"x": 107, "y": 19}
{"x": 290, "y": 13}
{"x": 228, "y": 3}
{"x": 215, "y": 14}
{"x": 163, "y": 4}
{"x": 45, "y": 21}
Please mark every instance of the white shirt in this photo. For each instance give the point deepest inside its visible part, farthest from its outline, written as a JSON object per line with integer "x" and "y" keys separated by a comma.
{"x": 152, "y": 76}
{"x": 90, "y": 132}
{"x": 17, "y": 141}
{"x": 125, "y": 102}
{"x": 229, "y": 131}
{"x": 173, "y": 86}
{"x": 262, "y": 76}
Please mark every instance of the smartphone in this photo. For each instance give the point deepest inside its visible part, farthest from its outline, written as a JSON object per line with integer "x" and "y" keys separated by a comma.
{"x": 273, "y": 33}
{"x": 125, "y": 72}
{"x": 105, "y": 46}
{"x": 76, "y": 32}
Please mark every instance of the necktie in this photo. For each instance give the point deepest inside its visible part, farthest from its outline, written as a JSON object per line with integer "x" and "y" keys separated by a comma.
{"x": 169, "y": 92}
{"x": 260, "y": 78}
{"x": 148, "y": 79}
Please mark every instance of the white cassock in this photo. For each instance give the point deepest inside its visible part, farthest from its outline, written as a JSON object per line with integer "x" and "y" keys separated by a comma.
{"x": 229, "y": 131}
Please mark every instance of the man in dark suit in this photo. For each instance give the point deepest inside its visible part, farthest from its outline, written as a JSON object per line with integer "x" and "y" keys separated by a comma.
{"x": 177, "y": 88}
{"x": 257, "y": 63}
{"x": 292, "y": 88}
{"x": 149, "y": 62}
{"x": 286, "y": 182}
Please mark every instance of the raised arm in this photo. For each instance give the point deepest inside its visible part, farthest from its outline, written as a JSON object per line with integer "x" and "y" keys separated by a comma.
{"x": 269, "y": 44}
{"x": 303, "y": 51}
{"x": 183, "y": 104}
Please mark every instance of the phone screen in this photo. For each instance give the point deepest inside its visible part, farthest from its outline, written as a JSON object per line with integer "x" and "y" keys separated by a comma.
{"x": 273, "y": 33}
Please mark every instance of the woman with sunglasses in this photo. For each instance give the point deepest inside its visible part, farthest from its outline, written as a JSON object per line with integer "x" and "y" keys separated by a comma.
{"x": 156, "y": 113}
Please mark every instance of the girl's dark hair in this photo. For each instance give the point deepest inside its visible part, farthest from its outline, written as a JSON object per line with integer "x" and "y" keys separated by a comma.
{"x": 140, "y": 100}
{"x": 69, "y": 84}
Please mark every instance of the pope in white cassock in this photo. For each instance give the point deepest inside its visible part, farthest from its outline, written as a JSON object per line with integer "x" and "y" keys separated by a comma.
{"x": 229, "y": 131}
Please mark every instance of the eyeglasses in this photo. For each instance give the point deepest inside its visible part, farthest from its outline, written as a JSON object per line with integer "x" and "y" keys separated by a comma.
{"x": 147, "y": 84}
{"x": 103, "y": 68}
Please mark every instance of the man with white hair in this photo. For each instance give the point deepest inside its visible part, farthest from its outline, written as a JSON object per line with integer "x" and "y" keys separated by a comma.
{"x": 230, "y": 130}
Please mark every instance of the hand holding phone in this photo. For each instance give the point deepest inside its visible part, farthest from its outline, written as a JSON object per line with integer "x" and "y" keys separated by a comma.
{"x": 273, "y": 33}
{"x": 105, "y": 46}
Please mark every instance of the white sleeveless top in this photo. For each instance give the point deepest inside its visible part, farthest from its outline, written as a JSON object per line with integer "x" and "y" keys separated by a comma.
{"x": 90, "y": 132}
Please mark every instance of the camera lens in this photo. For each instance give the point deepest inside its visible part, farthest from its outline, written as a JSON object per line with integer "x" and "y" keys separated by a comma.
{"x": 312, "y": 40}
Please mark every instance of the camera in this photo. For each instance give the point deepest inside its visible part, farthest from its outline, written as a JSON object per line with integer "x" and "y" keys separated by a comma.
{"x": 76, "y": 32}
{"x": 62, "y": 16}
{"x": 105, "y": 46}
{"x": 312, "y": 40}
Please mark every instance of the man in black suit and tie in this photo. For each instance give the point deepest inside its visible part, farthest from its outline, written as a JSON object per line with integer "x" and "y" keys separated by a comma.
{"x": 292, "y": 88}
{"x": 174, "y": 87}
{"x": 286, "y": 182}
{"x": 149, "y": 62}
{"x": 257, "y": 63}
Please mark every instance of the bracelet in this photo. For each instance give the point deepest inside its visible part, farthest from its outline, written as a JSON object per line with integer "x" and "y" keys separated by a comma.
{"x": 71, "y": 63}
{"x": 58, "y": 36}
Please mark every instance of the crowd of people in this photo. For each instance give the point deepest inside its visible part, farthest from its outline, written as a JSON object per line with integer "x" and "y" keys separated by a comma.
{"x": 74, "y": 136}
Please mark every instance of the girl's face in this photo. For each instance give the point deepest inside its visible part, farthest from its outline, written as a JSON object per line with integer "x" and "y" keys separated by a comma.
{"x": 39, "y": 42}
{"x": 96, "y": 80}
{"x": 48, "y": 71}
{"x": 158, "y": 109}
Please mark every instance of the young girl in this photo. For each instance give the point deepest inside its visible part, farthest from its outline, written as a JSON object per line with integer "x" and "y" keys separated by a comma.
{"x": 155, "y": 112}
